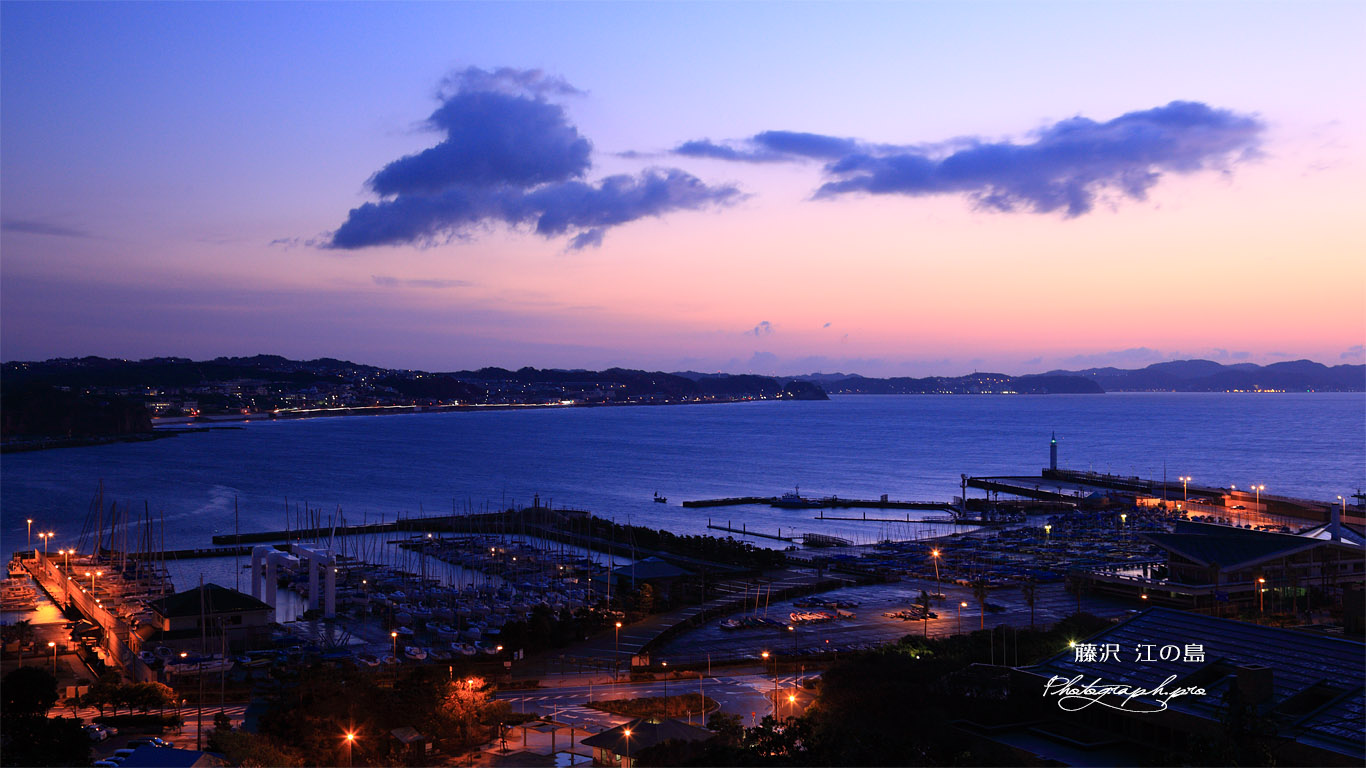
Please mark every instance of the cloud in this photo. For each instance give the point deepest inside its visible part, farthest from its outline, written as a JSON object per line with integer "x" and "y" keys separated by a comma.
{"x": 509, "y": 155}
{"x": 764, "y": 328}
{"x": 773, "y": 147}
{"x": 1130, "y": 356}
{"x": 389, "y": 281}
{"x": 35, "y": 227}
{"x": 1065, "y": 167}
{"x": 1355, "y": 354}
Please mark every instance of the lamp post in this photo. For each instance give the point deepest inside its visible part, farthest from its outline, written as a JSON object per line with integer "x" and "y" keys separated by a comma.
{"x": 666, "y": 688}
{"x": 44, "y": 537}
{"x": 627, "y": 734}
{"x": 1259, "y": 489}
{"x": 53, "y": 646}
{"x": 961, "y": 606}
{"x": 394, "y": 637}
{"x": 1047, "y": 533}
{"x": 791, "y": 704}
{"x": 350, "y": 738}
{"x": 616, "y": 653}
{"x": 1261, "y": 593}
{"x": 1185, "y": 495}
{"x": 1123, "y": 520}
{"x": 934, "y": 553}
{"x": 30, "y": 533}
{"x": 775, "y": 680}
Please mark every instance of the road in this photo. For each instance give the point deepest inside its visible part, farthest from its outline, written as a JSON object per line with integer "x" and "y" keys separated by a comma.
{"x": 747, "y": 695}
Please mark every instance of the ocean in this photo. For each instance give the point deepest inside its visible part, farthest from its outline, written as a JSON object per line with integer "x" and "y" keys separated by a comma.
{"x": 612, "y": 460}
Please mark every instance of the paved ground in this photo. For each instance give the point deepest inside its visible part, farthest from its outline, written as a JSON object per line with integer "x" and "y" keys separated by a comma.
{"x": 872, "y": 627}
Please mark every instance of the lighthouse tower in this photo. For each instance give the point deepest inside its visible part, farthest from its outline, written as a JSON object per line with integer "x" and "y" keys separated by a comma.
{"x": 1053, "y": 452}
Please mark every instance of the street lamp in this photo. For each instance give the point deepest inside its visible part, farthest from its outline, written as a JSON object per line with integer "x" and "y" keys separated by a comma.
{"x": 616, "y": 653}
{"x": 1259, "y": 489}
{"x": 1261, "y": 594}
{"x": 350, "y": 738}
{"x": 791, "y": 704}
{"x": 934, "y": 553}
{"x": 961, "y": 606}
{"x": 43, "y": 536}
{"x": 1123, "y": 519}
{"x": 394, "y": 636}
{"x": 1047, "y": 533}
{"x": 53, "y": 646}
{"x": 30, "y": 533}
{"x": 627, "y": 734}
{"x": 775, "y": 680}
{"x": 1185, "y": 495}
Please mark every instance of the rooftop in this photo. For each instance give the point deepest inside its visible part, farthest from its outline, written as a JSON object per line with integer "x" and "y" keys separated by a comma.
{"x": 645, "y": 733}
{"x": 216, "y": 600}
{"x": 1317, "y": 681}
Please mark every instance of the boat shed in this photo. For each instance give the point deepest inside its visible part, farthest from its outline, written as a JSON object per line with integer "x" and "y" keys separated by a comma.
{"x": 658, "y": 573}
{"x": 182, "y": 618}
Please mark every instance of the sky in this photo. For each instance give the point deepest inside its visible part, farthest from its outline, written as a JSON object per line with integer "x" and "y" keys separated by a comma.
{"x": 780, "y": 188}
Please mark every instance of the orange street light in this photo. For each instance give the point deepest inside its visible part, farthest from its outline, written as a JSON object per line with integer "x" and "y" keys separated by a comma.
{"x": 616, "y": 652}
{"x": 934, "y": 553}
{"x": 30, "y": 533}
{"x": 394, "y": 636}
{"x": 1261, "y": 594}
{"x": 961, "y": 606}
{"x": 1185, "y": 495}
{"x": 53, "y": 646}
{"x": 350, "y": 739}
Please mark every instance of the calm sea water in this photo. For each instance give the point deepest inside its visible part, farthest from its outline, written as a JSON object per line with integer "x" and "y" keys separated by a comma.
{"x": 612, "y": 460}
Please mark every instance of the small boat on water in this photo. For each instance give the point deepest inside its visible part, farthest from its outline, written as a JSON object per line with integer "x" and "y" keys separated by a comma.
{"x": 415, "y": 653}
{"x": 660, "y": 499}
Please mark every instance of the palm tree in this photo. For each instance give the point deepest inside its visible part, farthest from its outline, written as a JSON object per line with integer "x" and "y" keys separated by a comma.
{"x": 979, "y": 591}
{"x": 1027, "y": 590}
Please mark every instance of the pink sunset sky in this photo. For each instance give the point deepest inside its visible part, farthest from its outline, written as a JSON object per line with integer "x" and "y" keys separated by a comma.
{"x": 888, "y": 189}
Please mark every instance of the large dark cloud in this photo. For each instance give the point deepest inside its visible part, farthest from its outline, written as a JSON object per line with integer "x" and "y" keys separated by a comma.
{"x": 509, "y": 155}
{"x": 1065, "y": 167}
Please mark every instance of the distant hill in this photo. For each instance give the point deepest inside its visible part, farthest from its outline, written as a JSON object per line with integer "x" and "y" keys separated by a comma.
{"x": 974, "y": 384}
{"x": 38, "y": 410}
{"x": 1208, "y": 376}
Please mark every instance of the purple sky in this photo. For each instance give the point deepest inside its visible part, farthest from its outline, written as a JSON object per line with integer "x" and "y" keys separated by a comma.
{"x": 891, "y": 189}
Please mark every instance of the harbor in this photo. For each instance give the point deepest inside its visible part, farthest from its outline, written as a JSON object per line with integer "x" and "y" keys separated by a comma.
{"x": 535, "y": 597}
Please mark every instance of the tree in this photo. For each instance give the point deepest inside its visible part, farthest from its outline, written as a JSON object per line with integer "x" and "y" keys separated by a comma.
{"x": 1027, "y": 590}
{"x": 28, "y": 692}
{"x": 728, "y": 728}
{"x": 979, "y": 591}
{"x": 645, "y": 599}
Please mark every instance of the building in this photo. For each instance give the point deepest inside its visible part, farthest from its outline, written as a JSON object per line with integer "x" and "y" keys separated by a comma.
{"x": 659, "y": 574}
{"x": 1209, "y": 566}
{"x": 184, "y": 620}
{"x": 1295, "y": 698}
{"x": 614, "y": 747}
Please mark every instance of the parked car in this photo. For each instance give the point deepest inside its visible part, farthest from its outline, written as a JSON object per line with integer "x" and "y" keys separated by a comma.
{"x": 95, "y": 732}
{"x": 150, "y": 741}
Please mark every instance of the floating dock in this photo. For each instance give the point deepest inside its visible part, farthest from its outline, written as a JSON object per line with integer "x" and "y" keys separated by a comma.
{"x": 744, "y": 531}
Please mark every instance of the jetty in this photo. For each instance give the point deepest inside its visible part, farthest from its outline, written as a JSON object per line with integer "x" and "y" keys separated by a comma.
{"x": 827, "y": 502}
{"x": 743, "y": 530}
